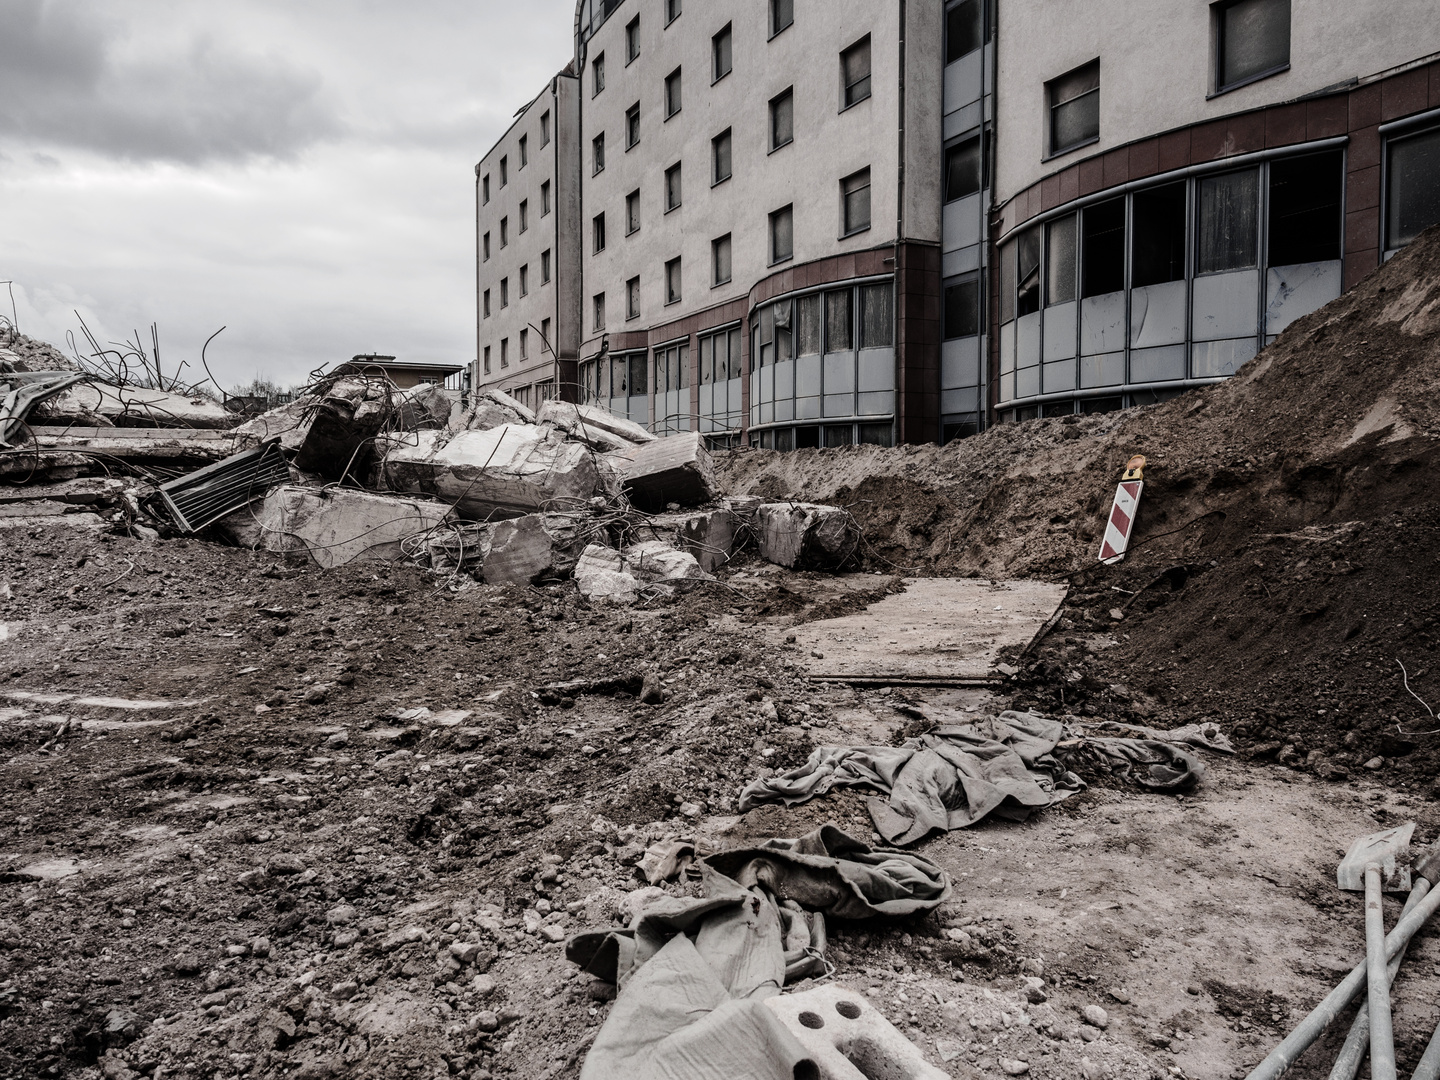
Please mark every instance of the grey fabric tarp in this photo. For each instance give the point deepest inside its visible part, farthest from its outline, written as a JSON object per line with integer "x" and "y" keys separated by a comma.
{"x": 694, "y": 971}
{"x": 956, "y": 775}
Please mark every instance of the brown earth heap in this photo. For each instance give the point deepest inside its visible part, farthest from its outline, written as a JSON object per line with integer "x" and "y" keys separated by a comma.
{"x": 1287, "y": 539}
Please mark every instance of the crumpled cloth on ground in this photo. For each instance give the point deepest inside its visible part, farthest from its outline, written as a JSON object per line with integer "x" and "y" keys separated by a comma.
{"x": 693, "y": 971}
{"x": 954, "y": 776}
{"x": 1206, "y": 735}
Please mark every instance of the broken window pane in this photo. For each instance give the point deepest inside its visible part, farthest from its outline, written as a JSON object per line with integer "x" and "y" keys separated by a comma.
{"x": 964, "y": 29}
{"x": 1254, "y": 38}
{"x": 1103, "y": 251}
{"x": 1027, "y": 254}
{"x": 838, "y": 335}
{"x": 783, "y": 337}
{"x": 1060, "y": 260}
{"x": 1413, "y": 180}
{"x": 734, "y": 371}
{"x": 1158, "y": 251}
{"x": 637, "y": 375}
{"x": 1075, "y": 108}
{"x": 1229, "y": 210}
{"x": 1305, "y": 197}
{"x": 962, "y": 309}
{"x": 877, "y": 317}
{"x": 1007, "y": 282}
{"x": 807, "y": 325}
{"x": 962, "y": 169}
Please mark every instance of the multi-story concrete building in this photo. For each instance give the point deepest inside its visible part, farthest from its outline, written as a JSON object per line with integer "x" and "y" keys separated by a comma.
{"x": 815, "y": 222}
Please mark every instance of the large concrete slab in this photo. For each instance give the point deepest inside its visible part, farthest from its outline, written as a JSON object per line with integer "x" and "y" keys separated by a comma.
{"x": 939, "y": 630}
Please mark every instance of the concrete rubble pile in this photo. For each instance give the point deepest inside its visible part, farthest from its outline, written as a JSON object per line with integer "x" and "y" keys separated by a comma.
{"x": 486, "y": 488}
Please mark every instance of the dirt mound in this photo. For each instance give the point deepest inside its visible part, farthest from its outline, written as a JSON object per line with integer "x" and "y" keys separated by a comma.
{"x": 33, "y": 354}
{"x": 1295, "y": 508}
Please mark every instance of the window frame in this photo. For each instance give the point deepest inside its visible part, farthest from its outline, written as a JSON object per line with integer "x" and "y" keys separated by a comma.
{"x": 485, "y": 190}
{"x": 485, "y": 357}
{"x": 1051, "y": 150}
{"x": 485, "y": 248}
{"x": 504, "y": 232}
{"x": 673, "y": 82}
{"x": 632, "y": 223}
{"x": 785, "y": 96}
{"x": 774, "y": 258}
{"x": 632, "y": 127}
{"x": 728, "y": 136}
{"x": 776, "y": 31}
{"x": 597, "y": 154}
{"x": 597, "y": 75}
{"x": 504, "y": 353}
{"x": 846, "y": 230}
{"x": 524, "y": 276}
{"x": 980, "y": 140}
{"x": 632, "y": 299}
{"x": 545, "y": 267}
{"x": 524, "y": 344}
{"x": 597, "y": 233}
{"x": 1393, "y": 134}
{"x": 485, "y": 304}
{"x": 846, "y": 104}
{"x": 632, "y": 41}
{"x": 504, "y": 293}
{"x": 597, "y": 313}
{"x": 545, "y": 129}
{"x": 985, "y": 28}
{"x": 727, "y": 33}
{"x": 545, "y": 199}
{"x": 679, "y": 192}
{"x": 524, "y": 150}
{"x": 504, "y": 171}
{"x": 673, "y": 10}
{"x": 524, "y": 213}
{"x": 1217, "y": 49}
{"x": 715, "y": 246}
{"x": 677, "y": 294}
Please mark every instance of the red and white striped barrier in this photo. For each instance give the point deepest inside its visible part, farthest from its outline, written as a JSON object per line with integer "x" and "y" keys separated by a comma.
{"x": 1122, "y": 514}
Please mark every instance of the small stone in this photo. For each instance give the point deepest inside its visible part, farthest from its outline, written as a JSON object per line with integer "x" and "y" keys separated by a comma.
{"x": 1088, "y": 1033}
{"x": 341, "y": 915}
{"x": 345, "y": 990}
{"x": 652, "y": 691}
{"x": 485, "y": 1021}
{"x": 237, "y": 950}
{"x": 1117, "y": 614}
{"x": 1033, "y": 966}
{"x": 1120, "y": 995}
{"x": 691, "y": 810}
{"x": 1014, "y": 1066}
{"x": 286, "y": 863}
{"x": 465, "y": 951}
{"x": 1375, "y": 763}
{"x": 482, "y": 986}
{"x": 601, "y": 991}
{"x": 1090, "y": 1070}
{"x": 340, "y": 738}
{"x": 1095, "y": 1016}
{"x": 1036, "y": 996}
{"x": 316, "y": 695}
{"x": 552, "y": 933}
{"x": 1193, "y": 990}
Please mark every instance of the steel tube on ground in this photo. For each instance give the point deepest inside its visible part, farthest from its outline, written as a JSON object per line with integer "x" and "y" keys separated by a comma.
{"x": 1429, "y": 1067}
{"x": 1299, "y": 1040}
{"x": 1347, "y": 1062}
{"x": 1377, "y": 983}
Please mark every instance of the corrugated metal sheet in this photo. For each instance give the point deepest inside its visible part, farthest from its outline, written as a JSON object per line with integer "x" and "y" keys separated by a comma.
{"x": 203, "y": 497}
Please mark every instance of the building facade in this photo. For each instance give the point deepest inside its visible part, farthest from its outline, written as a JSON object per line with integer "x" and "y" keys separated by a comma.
{"x": 816, "y": 222}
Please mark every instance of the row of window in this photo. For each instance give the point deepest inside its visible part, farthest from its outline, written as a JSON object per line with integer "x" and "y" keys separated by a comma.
{"x": 524, "y": 342}
{"x": 1250, "y": 41}
{"x": 523, "y": 150}
{"x": 523, "y": 214}
{"x": 524, "y": 281}
{"x": 782, "y": 16}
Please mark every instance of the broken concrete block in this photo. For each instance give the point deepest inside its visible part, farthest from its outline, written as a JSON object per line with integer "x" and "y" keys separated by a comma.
{"x": 656, "y": 560}
{"x": 490, "y": 409}
{"x": 329, "y": 431}
{"x": 600, "y": 575}
{"x": 427, "y": 406}
{"x": 336, "y": 526}
{"x": 806, "y": 536}
{"x": 675, "y": 469}
{"x": 709, "y": 535}
{"x": 594, "y": 426}
{"x": 510, "y": 470}
{"x": 130, "y": 406}
{"x": 534, "y": 547}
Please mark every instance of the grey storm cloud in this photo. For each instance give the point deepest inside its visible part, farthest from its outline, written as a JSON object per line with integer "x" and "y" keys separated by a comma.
{"x": 71, "y": 77}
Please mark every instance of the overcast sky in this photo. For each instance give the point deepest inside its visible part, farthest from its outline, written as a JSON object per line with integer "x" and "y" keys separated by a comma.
{"x": 302, "y": 173}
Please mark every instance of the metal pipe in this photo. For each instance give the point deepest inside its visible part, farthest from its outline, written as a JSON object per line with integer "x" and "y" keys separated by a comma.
{"x": 1382, "y": 1035}
{"x": 1352, "y": 1053}
{"x": 1429, "y": 1066}
{"x": 1310, "y": 1029}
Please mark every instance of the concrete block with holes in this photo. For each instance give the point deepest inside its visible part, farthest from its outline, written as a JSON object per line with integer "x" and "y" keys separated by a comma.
{"x": 848, "y": 1038}
{"x": 806, "y": 536}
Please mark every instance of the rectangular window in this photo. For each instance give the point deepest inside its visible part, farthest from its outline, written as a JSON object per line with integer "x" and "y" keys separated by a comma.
{"x": 839, "y": 321}
{"x": 1103, "y": 229}
{"x": 964, "y": 29}
{"x": 782, "y": 119}
{"x": 638, "y": 369}
{"x": 963, "y": 169}
{"x": 545, "y": 128}
{"x": 504, "y": 171}
{"x": 597, "y": 74}
{"x": 545, "y": 267}
{"x": 487, "y": 359}
{"x": 485, "y": 303}
{"x": 782, "y": 15}
{"x": 485, "y": 190}
{"x": 782, "y": 234}
{"x": 524, "y": 150}
{"x": 1027, "y": 257}
{"x": 672, "y": 187}
{"x": 504, "y": 352}
{"x": 672, "y": 93}
{"x": 962, "y": 309}
{"x": 720, "y": 156}
{"x": 485, "y": 248}
{"x": 1007, "y": 282}
{"x": 504, "y": 231}
{"x": 525, "y": 280}
{"x": 855, "y": 72}
{"x": 524, "y": 214}
{"x": 1252, "y": 40}
{"x": 545, "y": 336}
{"x": 672, "y": 281}
{"x": 1412, "y": 183}
{"x": 720, "y": 54}
{"x": 632, "y": 298}
{"x": 599, "y": 307}
{"x": 1074, "y": 101}
{"x": 632, "y": 40}
{"x": 672, "y": 11}
{"x": 720, "y": 259}
{"x": 504, "y": 292}
{"x": 597, "y": 148}
{"x": 598, "y": 232}
{"x": 524, "y": 344}
{"x": 545, "y": 198}
{"x": 877, "y": 316}
{"x": 1158, "y": 235}
{"x": 808, "y": 325}
{"x": 1060, "y": 260}
{"x": 632, "y": 125}
{"x": 1305, "y": 194}
{"x": 1226, "y": 238}
{"x": 855, "y": 202}
{"x": 632, "y": 213}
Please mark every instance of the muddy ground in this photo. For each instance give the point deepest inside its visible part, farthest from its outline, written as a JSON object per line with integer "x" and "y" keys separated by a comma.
{"x": 365, "y": 768}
